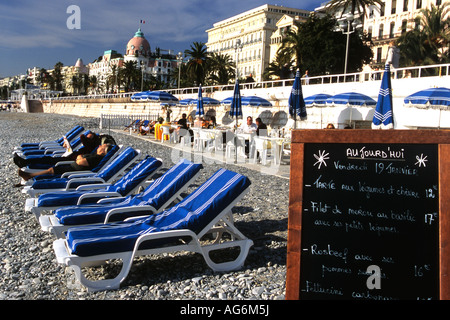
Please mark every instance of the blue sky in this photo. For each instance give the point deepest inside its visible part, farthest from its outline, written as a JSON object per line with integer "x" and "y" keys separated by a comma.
{"x": 34, "y": 33}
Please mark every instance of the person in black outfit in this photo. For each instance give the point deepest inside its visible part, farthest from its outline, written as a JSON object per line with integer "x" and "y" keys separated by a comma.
{"x": 181, "y": 130}
{"x": 262, "y": 128}
{"x": 82, "y": 162}
{"x": 90, "y": 143}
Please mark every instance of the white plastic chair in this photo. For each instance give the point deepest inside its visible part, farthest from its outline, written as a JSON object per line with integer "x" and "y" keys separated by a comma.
{"x": 185, "y": 138}
{"x": 165, "y": 133}
{"x": 196, "y": 145}
{"x": 218, "y": 141}
{"x": 230, "y": 148}
{"x": 261, "y": 149}
{"x": 285, "y": 152}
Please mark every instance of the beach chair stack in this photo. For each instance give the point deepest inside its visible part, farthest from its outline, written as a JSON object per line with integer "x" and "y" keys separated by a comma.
{"x": 121, "y": 212}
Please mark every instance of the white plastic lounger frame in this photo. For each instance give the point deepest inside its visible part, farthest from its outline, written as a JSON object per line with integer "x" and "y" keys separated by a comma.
{"x": 50, "y": 223}
{"x": 220, "y": 224}
{"x": 31, "y": 204}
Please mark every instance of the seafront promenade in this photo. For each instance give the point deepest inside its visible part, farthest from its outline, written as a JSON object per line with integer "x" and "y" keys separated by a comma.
{"x": 277, "y": 92}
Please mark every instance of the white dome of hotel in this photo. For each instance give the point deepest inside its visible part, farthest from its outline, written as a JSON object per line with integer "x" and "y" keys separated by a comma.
{"x": 138, "y": 45}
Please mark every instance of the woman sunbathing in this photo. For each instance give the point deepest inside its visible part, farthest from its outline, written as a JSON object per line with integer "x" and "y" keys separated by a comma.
{"x": 82, "y": 162}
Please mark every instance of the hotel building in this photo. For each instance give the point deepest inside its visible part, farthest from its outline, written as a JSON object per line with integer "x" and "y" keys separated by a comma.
{"x": 389, "y": 22}
{"x": 254, "y": 29}
{"x": 386, "y": 23}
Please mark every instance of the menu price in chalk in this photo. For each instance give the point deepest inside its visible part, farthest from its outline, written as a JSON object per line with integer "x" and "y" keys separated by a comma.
{"x": 370, "y": 224}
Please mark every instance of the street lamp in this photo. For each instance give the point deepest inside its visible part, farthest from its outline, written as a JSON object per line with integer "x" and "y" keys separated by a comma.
{"x": 344, "y": 24}
{"x": 180, "y": 60}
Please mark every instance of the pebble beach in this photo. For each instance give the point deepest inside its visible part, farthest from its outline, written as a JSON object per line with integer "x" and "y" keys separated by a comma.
{"x": 28, "y": 268}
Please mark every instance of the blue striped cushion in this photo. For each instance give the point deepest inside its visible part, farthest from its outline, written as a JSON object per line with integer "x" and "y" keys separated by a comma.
{"x": 105, "y": 173}
{"x": 156, "y": 194}
{"x": 60, "y": 140}
{"x": 123, "y": 186}
{"x": 194, "y": 213}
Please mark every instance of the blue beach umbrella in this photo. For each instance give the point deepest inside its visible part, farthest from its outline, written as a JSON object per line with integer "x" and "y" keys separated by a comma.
{"x": 319, "y": 99}
{"x": 185, "y": 102}
{"x": 227, "y": 101}
{"x": 351, "y": 99}
{"x": 200, "y": 111}
{"x": 159, "y": 96}
{"x": 255, "y": 101}
{"x": 206, "y": 101}
{"x": 382, "y": 118}
{"x": 137, "y": 96}
{"x": 296, "y": 103}
{"x": 433, "y": 97}
{"x": 236, "y": 102}
{"x": 236, "y": 111}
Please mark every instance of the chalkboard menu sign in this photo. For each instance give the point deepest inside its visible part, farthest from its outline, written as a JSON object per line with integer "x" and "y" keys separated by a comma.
{"x": 368, "y": 217}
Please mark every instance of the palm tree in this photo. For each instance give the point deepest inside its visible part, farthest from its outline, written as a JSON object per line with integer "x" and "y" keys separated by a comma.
{"x": 57, "y": 76}
{"x": 221, "y": 69}
{"x": 198, "y": 57}
{"x": 130, "y": 74}
{"x": 93, "y": 83}
{"x": 278, "y": 68}
{"x": 413, "y": 50}
{"x": 428, "y": 44}
{"x": 436, "y": 27}
{"x": 76, "y": 84}
{"x": 291, "y": 47}
{"x": 352, "y": 6}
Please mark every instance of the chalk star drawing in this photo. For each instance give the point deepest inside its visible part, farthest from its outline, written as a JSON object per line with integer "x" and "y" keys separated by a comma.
{"x": 421, "y": 160}
{"x": 321, "y": 158}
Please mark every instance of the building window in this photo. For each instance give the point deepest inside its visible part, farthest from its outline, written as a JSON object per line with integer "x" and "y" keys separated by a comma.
{"x": 382, "y": 7}
{"x": 380, "y": 32}
{"x": 394, "y": 6}
{"x": 405, "y": 5}
{"x": 419, "y": 4}
{"x": 404, "y": 25}
{"x": 438, "y": 2}
{"x": 379, "y": 51}
{"x": 391, "y": 30}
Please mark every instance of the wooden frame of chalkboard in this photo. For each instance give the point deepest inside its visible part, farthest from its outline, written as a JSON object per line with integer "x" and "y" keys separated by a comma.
{"x": 367, "y": 154}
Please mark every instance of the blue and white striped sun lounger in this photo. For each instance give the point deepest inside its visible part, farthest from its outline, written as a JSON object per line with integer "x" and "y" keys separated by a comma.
{"x": 207, "y": 210}
{"x": 108, "y": 158}
{"x": 48, "y": 149}
{"x": 107, "y": 174}
{"x": 29, "y": 145}
{"x": 126, "y": 185}
{"x": 156, "y": 197}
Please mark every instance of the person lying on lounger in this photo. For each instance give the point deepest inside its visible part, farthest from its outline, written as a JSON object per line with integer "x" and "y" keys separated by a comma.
{"x": 82, "y": 162}
{"x": 89, "y": 141}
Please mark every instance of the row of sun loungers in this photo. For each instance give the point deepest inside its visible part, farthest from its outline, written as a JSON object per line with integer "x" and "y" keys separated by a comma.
{"x": 121, "y": 212}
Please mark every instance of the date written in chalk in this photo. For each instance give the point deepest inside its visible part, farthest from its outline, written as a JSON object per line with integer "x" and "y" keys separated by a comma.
{"x": 238, "y": 309}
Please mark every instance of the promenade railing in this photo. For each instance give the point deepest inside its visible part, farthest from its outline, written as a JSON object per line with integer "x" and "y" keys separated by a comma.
{"x": 441, "y": 70}
{"x": 121, "y": 121}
